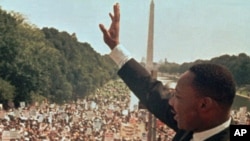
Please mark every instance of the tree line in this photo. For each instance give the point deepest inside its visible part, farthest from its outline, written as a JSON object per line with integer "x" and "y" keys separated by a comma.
{"x": 239, "y": 65}
{"x": 38, "y": 64}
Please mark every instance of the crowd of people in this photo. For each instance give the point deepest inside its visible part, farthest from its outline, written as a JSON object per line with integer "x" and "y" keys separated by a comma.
{"x": 93, "y": 118}
{"x": 102, "y": 116}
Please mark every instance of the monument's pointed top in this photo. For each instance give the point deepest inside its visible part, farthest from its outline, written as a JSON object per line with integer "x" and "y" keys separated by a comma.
{"x": 152, "y": 3}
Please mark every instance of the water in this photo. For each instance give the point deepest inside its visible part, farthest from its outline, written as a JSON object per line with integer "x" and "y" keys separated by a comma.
{"x": 134, "y": 101}
{"x": 240, "y": 102}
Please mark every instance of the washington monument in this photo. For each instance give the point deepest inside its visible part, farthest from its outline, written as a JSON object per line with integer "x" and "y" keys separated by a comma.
{"x": 150, "y": 67}
{"x": 149, "y": 61}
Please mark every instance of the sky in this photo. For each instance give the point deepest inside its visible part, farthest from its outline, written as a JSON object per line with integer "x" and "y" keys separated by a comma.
{"x": 184, "y": 30}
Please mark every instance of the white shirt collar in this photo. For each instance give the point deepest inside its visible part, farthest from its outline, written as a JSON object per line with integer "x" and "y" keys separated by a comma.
{"x": 201, "y": 136}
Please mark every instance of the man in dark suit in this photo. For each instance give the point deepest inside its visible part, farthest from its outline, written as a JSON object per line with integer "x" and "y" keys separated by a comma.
{"x": 198, "y": 110}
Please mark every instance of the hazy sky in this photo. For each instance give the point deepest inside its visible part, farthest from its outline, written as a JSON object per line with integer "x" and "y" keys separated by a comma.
{"x": 185, "y": 30}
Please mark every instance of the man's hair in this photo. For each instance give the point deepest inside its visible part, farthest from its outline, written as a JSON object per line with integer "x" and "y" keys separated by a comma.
{"x": 214, "y": 81}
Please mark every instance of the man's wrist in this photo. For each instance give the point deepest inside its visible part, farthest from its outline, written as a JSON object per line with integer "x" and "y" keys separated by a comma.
{"x": 120, "y": 55}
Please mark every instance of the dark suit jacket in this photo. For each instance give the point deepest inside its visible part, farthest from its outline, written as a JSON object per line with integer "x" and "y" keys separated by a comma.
{"x": 154, "y": 96}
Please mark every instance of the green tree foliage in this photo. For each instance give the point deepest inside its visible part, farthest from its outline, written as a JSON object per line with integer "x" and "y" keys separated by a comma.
{"x": 169, "y": 67}
{"x": 38, "y": 64}
{"x": 85, "y": 68}
{"x": 8, "y": 25}
{"x": 238, "y": 65}
{"x": 7, "y": 91}
{"x": 30, "y": 67}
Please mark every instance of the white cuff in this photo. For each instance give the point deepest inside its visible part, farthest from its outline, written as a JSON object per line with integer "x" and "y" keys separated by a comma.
{"x": 120, "y": 55}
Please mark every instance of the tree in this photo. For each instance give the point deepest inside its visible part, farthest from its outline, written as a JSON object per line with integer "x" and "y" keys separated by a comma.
{"x": 7, "y": 91}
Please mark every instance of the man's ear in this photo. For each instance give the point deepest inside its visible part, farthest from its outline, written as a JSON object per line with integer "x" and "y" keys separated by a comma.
{"x": 206, "y": 103}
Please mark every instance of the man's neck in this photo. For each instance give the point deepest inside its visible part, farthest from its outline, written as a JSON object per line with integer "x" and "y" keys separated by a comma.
{"x": 198, "y": 136}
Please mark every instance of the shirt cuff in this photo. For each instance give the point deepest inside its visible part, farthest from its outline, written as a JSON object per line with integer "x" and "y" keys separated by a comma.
{"x": 120, "y": 55}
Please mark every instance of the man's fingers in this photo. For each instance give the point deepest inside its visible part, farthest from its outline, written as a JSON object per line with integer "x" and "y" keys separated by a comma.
{"x": 103, "y": 29}
{"x": 116, "y": 16}
{"x": 111, "y": 16}
{"x": 117, "y": 12}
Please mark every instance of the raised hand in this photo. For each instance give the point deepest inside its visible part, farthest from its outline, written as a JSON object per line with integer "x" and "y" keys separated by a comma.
{"x": 111, "y": 36}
